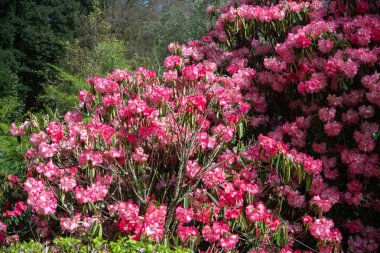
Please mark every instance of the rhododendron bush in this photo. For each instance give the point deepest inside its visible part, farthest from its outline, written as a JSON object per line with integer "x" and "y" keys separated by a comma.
{"x": 260, "y": 137}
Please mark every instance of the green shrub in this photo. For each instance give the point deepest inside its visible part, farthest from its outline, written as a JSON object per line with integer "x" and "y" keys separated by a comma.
{"x": 96, "y": 245}
{"x": 24, "y": 247}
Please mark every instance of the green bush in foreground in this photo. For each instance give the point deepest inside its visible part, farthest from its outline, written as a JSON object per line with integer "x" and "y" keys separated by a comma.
{"x": 96, "y": 245}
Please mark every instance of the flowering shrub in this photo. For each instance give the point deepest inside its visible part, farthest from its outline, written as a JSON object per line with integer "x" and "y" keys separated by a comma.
{"x": 261, "y": 137}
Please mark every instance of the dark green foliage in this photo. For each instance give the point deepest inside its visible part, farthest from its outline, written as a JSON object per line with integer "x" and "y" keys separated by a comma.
{"x": 31, "y": 36}
{"x": 11, "y": 148}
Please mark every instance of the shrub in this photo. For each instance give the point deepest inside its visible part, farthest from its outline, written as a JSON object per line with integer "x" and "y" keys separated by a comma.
{"x": 260, "y": 137}
{"x": 96, "y": 245}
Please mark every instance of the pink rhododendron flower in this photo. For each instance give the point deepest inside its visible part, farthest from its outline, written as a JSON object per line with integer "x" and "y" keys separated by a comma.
{"x": 67, "y": 183}
{"x": 332, "y": 128}
{"x": 323, "y": 229}
{"x": 257, "y": 212}
{"x": 325, "y": 45}
{"x": 139, "y": 155}
{"x": 184, "y": 215}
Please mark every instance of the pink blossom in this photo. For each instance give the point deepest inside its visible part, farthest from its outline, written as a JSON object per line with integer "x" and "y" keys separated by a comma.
{"x": 139, "y": 155}
{"x": 18, "y": 209}
{"x": 274, "y": 64}
{"x": 47, "y": 151}
{"x": 350, "y": 117}
{"x": 322, "y": 229}
{"x": 214, "y": 177}
{"x": 55, "y": 131}
{"x": 170, "y": 76}
{"x": 3, "y": 227}
{"x": 366, "y": 112}
{"x": 36, "y": 138}
{"x": 125, "y": 210}
{"x": 120, "y": 75}
{"x": 85, "y": 98}
{"x": 43, "y": 202}
{"x": 256, "y": 213}
{"x": 213, "y": 234}
{"x": 154, "y": 222}
{"x": 184, "y": 215}
{"x": 192, "y": 169}
{"x": 326, "y": 114}
{"x": 104, "y": 85}
{"x": 67, "y": 183}
{"x": 303, "y": 41}
{"x": 332, "y": 128}
{"x": 307, "y": 219}
{"x": 229, "y": 242}
{"x": 323, "y": 204}
{"x": 210, "y": 9}
{"x": 193, "y": 72}
{"x": 72, "y": 117}
{"x": 93, "y": 193}
{"x": 172, "y": 61}
{"x": 19, "y": 131}
{"x": 295, "y": 199}
{"x": 49, "y": 170}
{"x": 206, "y": 141}
{"x": 186, "y": 232}
{"x": 325, "y": 45}
{"x": 317, "y": 82}
{"x": 224, "y": 133}
{"x": 69, "y": 225}
{"x": 354, "y": 226}
{"x": 320, "y": 148}
{"x": 90, "y": 156}
{"x": 111, "y": 100}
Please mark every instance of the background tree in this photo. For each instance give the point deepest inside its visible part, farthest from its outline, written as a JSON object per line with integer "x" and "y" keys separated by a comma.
{"x": 32, "y": 31}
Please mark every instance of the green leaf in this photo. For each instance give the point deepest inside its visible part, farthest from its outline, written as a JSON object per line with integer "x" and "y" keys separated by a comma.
{"x": 213, "y": 198}
{"x": 241, "y": 130}
{"x": 185, "y": 202}
{"x": 308, "y": 182}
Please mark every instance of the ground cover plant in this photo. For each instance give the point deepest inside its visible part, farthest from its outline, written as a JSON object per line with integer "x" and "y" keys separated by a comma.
{"x": 262, "y": 136}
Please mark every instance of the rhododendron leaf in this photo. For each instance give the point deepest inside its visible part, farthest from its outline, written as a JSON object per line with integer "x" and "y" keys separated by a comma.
{"x": 96, "y": 230}
{"x": 236, "y": 25}
{"x": 307, "y": 55}
{"x": 242, "y": 160}
{"x": 98, "y": 146}
{"x": 299, "y": 173}
{"x": 185, "y": 203}
{"x": 213, "y": 198}
{"x": 278, "y": 160}
{"x": 63, "y": 198}
{"x": 192, "y": 121}
{"x": 113, "y": 141}
{"x": 308, "y": 181}
{"x": 278, "y": 237}
{"x": 345, "y": 87}
{"x": 241, "y": 130}
{"x": 243, "y": 223}
{"x": 244, "y": 27}
{"x": 287, "y": 172}
{"x": 376, "y": 136}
